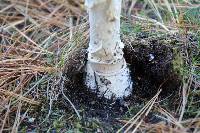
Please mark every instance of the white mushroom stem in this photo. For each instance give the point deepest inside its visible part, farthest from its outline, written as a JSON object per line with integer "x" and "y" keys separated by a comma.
{"x": 107, "y": 71}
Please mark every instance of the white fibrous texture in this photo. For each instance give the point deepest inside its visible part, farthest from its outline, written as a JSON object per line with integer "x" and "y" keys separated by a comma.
{"x": 107, "y": 72}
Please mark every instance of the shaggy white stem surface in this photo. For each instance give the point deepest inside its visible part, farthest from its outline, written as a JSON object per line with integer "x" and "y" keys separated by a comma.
{"x": 107, "y": 72}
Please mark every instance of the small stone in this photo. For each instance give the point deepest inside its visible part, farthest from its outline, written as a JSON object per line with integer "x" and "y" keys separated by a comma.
{"x": 151, "y": 57}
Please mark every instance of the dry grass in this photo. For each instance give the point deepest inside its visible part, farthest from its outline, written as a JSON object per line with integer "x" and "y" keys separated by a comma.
{"x": 37, "y": 38}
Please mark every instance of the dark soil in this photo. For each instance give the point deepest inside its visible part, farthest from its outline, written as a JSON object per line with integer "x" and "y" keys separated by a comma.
{"x": 151, "y": 64}
{"x": 150, "y": 58}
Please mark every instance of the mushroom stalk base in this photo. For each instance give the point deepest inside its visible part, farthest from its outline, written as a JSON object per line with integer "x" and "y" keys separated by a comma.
{"x": 109, "y": 85}
{"x": 107, "y": 71}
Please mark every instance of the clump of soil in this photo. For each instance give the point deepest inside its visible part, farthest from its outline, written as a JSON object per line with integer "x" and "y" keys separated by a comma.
{"x": 150, "y": 58}
{"x": 151, "y": 63}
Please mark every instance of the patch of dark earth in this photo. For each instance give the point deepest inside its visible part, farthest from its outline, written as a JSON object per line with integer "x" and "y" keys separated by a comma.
{"x": 151, "y": 60}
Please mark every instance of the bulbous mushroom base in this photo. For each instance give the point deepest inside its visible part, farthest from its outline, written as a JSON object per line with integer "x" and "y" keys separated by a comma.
{"x": 109, "y": 85}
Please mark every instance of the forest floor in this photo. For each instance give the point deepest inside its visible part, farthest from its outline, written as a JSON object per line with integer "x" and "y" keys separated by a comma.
{"x": 155, "y": 63}
{"x": 42, "y": 70}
